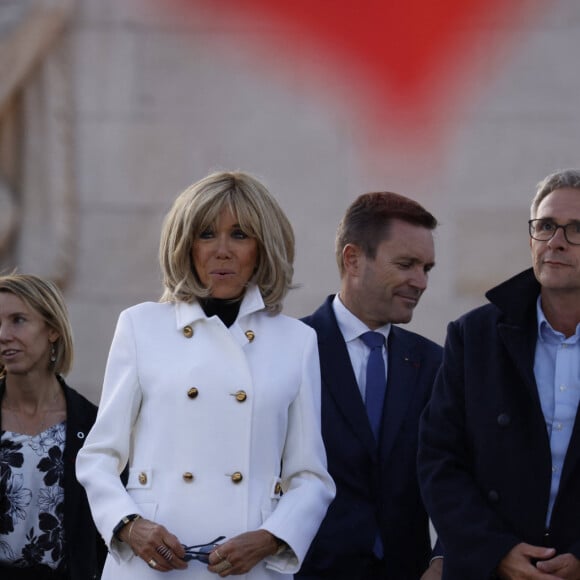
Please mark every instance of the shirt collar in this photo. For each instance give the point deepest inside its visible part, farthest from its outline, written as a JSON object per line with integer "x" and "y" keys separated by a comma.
{"x": 188, "y": 313}
{"x": 352, "y": 327}
{"x": 545, "y": 331}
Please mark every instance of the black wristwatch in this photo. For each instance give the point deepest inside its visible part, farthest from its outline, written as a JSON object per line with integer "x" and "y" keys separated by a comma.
{"x": 124, "y": 521}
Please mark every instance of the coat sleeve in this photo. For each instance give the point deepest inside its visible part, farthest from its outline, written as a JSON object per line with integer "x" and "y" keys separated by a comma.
{"x": 307, "y": 486}
{"x": 106, "y": 451}
{"x": 473, "y": 536}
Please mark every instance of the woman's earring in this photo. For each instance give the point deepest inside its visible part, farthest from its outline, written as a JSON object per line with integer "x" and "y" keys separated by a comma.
{"x": 52, "y": 353}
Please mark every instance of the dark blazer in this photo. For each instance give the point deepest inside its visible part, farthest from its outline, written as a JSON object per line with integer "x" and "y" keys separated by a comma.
{"x": 377, "y": 486}
{"x": 86, "y": 551}
{"x": 484, "y": 460}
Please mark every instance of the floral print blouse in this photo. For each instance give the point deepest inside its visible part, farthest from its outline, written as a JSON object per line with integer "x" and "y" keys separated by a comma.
{"x": 32, "y": 498}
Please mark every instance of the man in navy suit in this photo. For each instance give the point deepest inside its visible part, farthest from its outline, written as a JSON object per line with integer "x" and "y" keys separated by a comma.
{"x": 499, "y": 459}
{"x": 377, "y": 526}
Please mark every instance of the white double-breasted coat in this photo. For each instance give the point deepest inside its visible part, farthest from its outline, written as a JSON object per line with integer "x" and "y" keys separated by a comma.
{"x": 220, "y": 428}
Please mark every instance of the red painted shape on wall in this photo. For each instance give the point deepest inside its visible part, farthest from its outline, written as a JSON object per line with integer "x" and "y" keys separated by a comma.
{"x": 400, "y": 60}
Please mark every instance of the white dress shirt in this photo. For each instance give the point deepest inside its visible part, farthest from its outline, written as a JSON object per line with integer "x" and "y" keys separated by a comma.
{"x": 351, "y": 328}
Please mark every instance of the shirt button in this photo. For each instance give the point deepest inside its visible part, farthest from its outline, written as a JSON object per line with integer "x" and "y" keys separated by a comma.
{"x": 558, "y": 426}
{"x": 142, "y": 477}
{"x": 241, "y": 396}
{"x": 237, "y": 477}
{"x": 187, "y": 331}
{"x": 250, "y": 335}
{"x": 188, "y": 476}
{"x": 192, "y": 393}
{"x": 562, "y": 388}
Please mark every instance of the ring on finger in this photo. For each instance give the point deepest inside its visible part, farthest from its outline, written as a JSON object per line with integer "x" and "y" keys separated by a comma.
{"x": 218, "y": 554}
{"x": 222, "y": 566}
{"x": 165, "y": 552}
{"x": 152, "y": 563}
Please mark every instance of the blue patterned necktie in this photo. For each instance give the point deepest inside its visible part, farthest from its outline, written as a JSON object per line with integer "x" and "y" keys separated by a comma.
{"x": 376, "y": 380}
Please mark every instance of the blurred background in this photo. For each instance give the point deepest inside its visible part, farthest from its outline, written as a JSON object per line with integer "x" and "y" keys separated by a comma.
{"x": 109, "y": 108}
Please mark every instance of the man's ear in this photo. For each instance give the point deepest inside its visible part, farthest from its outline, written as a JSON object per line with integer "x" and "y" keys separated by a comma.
{"x": 351, "y": 259}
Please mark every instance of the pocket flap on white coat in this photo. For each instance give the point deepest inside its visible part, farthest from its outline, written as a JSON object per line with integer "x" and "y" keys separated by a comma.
{"x": 140, "y": 478}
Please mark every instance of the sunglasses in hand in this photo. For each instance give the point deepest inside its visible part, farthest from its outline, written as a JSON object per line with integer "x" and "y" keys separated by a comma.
{"x": 201, "y": 552}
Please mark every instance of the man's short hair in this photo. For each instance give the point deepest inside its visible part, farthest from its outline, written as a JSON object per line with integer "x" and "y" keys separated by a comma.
{"x": 367, "y": 221}
{"x": 569, "y": 178}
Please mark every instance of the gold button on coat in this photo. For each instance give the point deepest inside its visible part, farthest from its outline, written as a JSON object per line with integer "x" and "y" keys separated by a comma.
{"x": 187, "y": 331}
{"x": 192, "y": 393}
{"x": 188, "y": 476}
{"x": 241, "y": 396}
{"x": 142, "y": 478}
{"x": 250, "y": 335}
{"x": 237, "y": 477}
{"x": 278, "y": 488}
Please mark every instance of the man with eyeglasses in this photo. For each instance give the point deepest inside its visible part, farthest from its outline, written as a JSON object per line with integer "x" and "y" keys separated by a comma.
{"x": 499, "y": 449}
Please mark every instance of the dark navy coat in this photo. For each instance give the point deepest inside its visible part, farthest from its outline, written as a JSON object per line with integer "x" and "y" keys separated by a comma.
{"x": 484, "y": 456}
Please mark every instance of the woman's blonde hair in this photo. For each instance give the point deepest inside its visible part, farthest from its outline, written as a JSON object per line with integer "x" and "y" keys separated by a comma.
{"x": 44, "y": 298}
{"x": 258, "y": 215}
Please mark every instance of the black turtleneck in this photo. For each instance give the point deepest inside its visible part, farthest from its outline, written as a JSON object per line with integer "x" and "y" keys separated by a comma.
{"x": 226, "y": 309}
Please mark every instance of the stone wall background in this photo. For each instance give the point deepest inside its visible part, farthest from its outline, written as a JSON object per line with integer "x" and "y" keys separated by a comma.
{"x": 158, "y": 103}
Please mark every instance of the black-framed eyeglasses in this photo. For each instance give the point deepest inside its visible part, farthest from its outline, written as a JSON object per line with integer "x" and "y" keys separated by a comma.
{"x": 545, "y": 229}
{"x": 201, "y": 552}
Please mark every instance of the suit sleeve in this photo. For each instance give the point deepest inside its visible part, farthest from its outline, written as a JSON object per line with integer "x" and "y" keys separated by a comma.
{"x": 473, "y": 536}
{"x": 106, "y": 451}
{"x": 308, "y": 488}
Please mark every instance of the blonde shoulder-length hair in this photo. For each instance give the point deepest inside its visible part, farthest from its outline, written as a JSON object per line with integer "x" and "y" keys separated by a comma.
{"x": 44, "y": 298}
{"x": 258, "y": 215}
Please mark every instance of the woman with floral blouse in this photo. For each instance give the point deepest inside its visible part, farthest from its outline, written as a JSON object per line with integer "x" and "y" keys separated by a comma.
{"x": 46, "y": 530}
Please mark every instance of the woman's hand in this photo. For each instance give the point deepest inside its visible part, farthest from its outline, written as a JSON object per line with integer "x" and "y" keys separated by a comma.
{"x": 152, "y": 542}
{"x": 240, "y": 554}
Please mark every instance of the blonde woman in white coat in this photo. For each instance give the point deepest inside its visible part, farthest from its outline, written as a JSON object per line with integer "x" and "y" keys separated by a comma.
{"x": 212, "y": 399}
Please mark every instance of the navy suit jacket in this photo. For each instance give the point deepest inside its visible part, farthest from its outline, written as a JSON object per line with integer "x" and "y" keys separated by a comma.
{"x": 377, "y": 488}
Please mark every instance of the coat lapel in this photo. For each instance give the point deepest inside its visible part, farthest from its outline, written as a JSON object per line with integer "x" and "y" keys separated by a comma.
{"x": 337, "y": 375}
{"x": 516, "y": 298}
{"x": 188, "y": 314}
{"x": 403, "y": 367}
{"x": 520, "y": 344}
{"x": 572, "y": 459}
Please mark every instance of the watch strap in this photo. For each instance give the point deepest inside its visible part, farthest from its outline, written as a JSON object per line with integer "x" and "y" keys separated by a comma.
{"x": 124, "y": 521}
